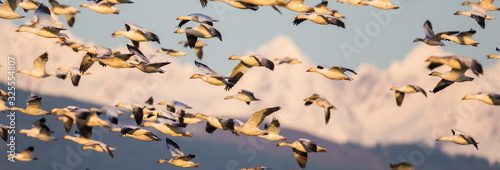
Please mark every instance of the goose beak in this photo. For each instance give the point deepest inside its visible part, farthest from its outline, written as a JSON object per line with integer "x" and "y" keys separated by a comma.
{"x": 178, "y": 18}
{"x": 308, "y": 70}
{"x": 17, "y": 30}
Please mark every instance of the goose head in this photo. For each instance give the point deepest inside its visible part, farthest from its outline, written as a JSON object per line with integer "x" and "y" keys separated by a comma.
{"x": 117, "y": 33}
{"x": 393, "y": 88}
{"x": 180, "y": 31}
{"x": 469, "y": 97}
{"x": 162, "y": 161}
{"x": 466, "y": 3}
{"x": 147, "y": 124}
{"x": 196, "y": 76}
{"x": 283, "y": 143}
{"x": 435, "y": 73}
{"x": 84, "y": 5}
{"x": 234, "y": 57}
{"x": 418, "y": 39}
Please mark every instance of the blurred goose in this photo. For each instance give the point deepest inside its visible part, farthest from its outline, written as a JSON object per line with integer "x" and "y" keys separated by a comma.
{"x": 273, "y": 130}
{"x": 147, "y": 115}
{"x": 431, "y": 38}
{"x": 67, "y": 10}
{"x": 486, "y": 4}
{"x": 4, "y": 131}
{"x": 73, "y": 45}
{"x": 488, "y": 98}
{"x": 202, "y": 31}
{"x": 74, "y": 73}
{"x": 179, "y": 109}
{"x": 243, "y": 95}
{"x": 251, "y": 127}
{"x": 171, "y": 52}
{"x": 99, "y": 51}
{"x": 323, "y": 9}
{"x": 463, "y": 38}
{"x": 35, "y": 128}
{"x": 323, "y": 19}
{"x": 210, "y": 76}
{"x": 400, "y": 92}
{"x": 286, "y": 60}
{"x": 137, "y": 34}
{"x": 300, "y": 149}
{"x": 258, "y": 167}
{"x": 494, "y": 55}
{"x": 44, "y": 25}
{"x": 178, "y": 157}
{"x": 114, "y": 60}
{"x": 8, "y": 8}
{"x": 214, "y": 123}
{"x": 67, "y": 115}
{"x": 144, "y": 64}
{"x": 25, "y": 155}
{"x": 83, "y": 137}
{"x": 102, "y": 7}
{"x": 352, "y": 2}
{"x": 119, "y": 1}
{"x": 271, "y": 3}
{"x": 298, "y": 6}
{"x": 247, "y": 62}
{"x": 460, "y": 138}
{"x": 4, "y": 94}
{"x": 33, "y": 106}
{"x": 401, "y": 166}
{"x": 449, "y": 78}
{"x": 334, "y": 73}
{"x": 29, "y": 5}
{"x": 240, "y": 5}
{"x": 196, "y": 17}
{"x": 39, "y": 131}
{"x": 100, "y": 147}
{"x": 174, "y": 129}
{"x": 321, "y": 102}
{"x": 88, "y": 117}
{"x": 455, "y": 62}
{"x": 198, "y": 47}
{"x": 139, "y": 133}
{"x": 477, "y": 13}
{"x": 39, "y": 70}
{"x": 381, "y": 4}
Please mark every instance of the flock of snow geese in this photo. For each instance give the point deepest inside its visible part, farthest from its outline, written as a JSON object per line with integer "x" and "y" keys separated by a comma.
{"x": 174, "y": 121}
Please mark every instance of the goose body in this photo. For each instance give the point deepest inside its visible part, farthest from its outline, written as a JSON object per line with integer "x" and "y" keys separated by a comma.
{"x": 196, "y": 17}
{"x": 273, "y": 130}
{"x": 287, "y": 60}
{"x": 449, "y": 78}
{"x": 39, "y": 70}
{"x": 144, "y": 64}
{"x": 381, "y": 4}
{"x": 321, "y": 102}
{"x": 477, "y": 13}
{"x": 251, "y": 127}
{"x": 69, "y": 11}
{"x": 322, "y": 8}
{"x": 298, "y": 6}
{"x": 102, "y": 8}
{"x": 43, "y": 25}
{"x": 178, "y": 157}
{"x": 431, "y": 38}
{"x": 171, "y": 52}
{"x": 334, "y": 73}
{"x": 67, "y": 115}
{"x": 202, "y": 31}
{"x": 486, "y": 4}
{"x": 139, "y": 133}
{"x": 73, "y": 45}
{"x": 460, "y": 138}
{"x": 463, "y": 38}
{"x": 114, "y": 60}
{"x": 401, "y": 91}
{"x": 214, "y": 123}
{"x": 210, "y": 76}
{"x": 174, "y": 129}
{"x": 119, "y": 1}
{"x": 300, "y": 149}
{"x": 8, "y": 8}
{"x": 488, "y": 98}
{"x": 198, "y": 47}
{"x": 39, "y": 131}
{"x": 100, "y": 147}
{"x": 29, "y": 5}
{"x": 458, "y": 63}
{"x": 25, "y": 155}
{"x": 137, "y": 34}
{"x": 318, "y": 18}
{"x": 33, "y": 106}
{"x": 240, "y": 5}
{"x": 243, "y": 95}
{"x": 73, "y": 73}
{"x": 494, "y": 55}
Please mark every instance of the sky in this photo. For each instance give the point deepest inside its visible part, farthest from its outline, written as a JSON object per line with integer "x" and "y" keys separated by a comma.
{"x": 390, "y": 58}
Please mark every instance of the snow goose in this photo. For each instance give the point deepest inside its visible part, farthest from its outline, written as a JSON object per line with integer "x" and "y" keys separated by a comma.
{"x": 74, "y": 73}
{"x": 178, "y": 157}
{"x": 115, "y": 61}
{"x": 477, "y": 13}
{"x": 35, "y": 128}
{"x": 88, "y": 117}
{"x": 487, "y": 4}
{"x": 39, "y": 131}
{"x": 174, "y": 129}
{"x": 214, "y": 123}
{"x": 286, "y": 60}
{"x": 196, "y": 17}
{"x": 112, "y": 113}
{"x": 44, "y": 25}
{"x": 144, "y": 65}
{"x": 323, "y": 19}
{"x": 73, "y": 45}
{"x": 300, "y": 149}
{"x": 323, "y": 9}
{"x": 102, "y": 7}
{"x": 137, "y": 34}
{"x": 449, "y": 78}
{"x": 25, "y": 155}
{"x": 251, "y": 127}
{"x": 298, "y": 6}
{"x": 33, "y": 106}
{"x": 83, "y": 137}
{"x": 138, "y": 133}
{"x": 463, "y": 38}
{"x": 321, "y": 102}
{"x": 381, "y": 4}
{"x": 401, "y": 166}
{"x": 431, "y": 38}
{"x": 455, "y": 62}
{"x": 352, "y": 2}
{"x": 488, "y": 98}
{"x": 67, "y": 10}
{"x": 210, "y": 76}
{"x": 494, "y": 55}
{"x": 271, "y": 3}
{"x": 39, "y": 70}
{"x": 4, "y": 131}
{"x": 202, "y": 31}
{"x": 273, "y": 130}
{"x": 179, "y": 110}
{"x": 460, "y": 138}
{"x": 258, "y": 167}
{"x": 400, "y": 92}
{"x": 29, "y": 5}
{"x": 100, "y": 147}
{"x": 198, "y": 47}
{"x": 247, "y": 62}
{"x": 334, "y": 73}
{"x": 240, "y": 5}
{"x": 8, "y": 8}
{"x": 147, "y": 115}
{"x": 243, "y": 95}
{"x": 119, "y": 1}
{"x": 67, "y": 115}
{"x": 171, "y": 52}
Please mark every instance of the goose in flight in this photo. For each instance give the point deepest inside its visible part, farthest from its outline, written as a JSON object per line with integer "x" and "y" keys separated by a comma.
{"x": 173, "y": 129}
{"x": 33, "y": 106}
{"x": 69, "y": 11}
{"x": 298, "y": 6}
{"x": 179, "y": 110}
{"x": 243, "y": 95}
{"x": 202, "y": 31}
{"x": 196, "y": 17}
{"x": 381, "y": 4}
{"x": 198, "y": 47}
{"x": 463, "y": 38}
{"x": 144, "y": 64}
{"x": 178, "y": 157}
{"x": 258, "y": 167}
{"x": 102, "y": 7}
{"x": 138, "y": 133}
{"x": 25, "y": 155}
{"x": 287, "y": 60}
{"x": 449, "y": 78}
{"x": 351, "y": 2}
{"x": 119, "y": 1}
{"x": 67, "y": 115}
{"x": 478, "y": 13}
{"x": 73, "y": 45}
{"x": 322, "y": 8}
{"x": 401, "y": 166}
{"x": 114, "y": 60}
{"x": 321, "y": 102}
{"x": 334, "y": 73}
{"x": 494, "y": 55}
{"x": 323, "y": 19}
{"x": 100, "y": 147}
{"x": 300, "y": 149}
{"x": 171, "y": 52}
{"x": 83, "y": 138}
{"x": 251, "y": 127}
{"x": 239, "y": 4}
{"x": 400, "y": 92}
{"x": 488, "y": 98}
{"x": 431, "y": 38}
{"x": 214, "y": 123}
{"x": 74, "y": 73}
{"x": 247, "y": 62}
{"x": 460, "y": 138}
{"x": 39, "y": 70}
{"x": 455, "y": 62}
{"x": 273, "y": 130}
{"x": 29, "y": 5}
{"x": 137, "y": 34}
{"x": 39, "y": 131}
{"x": 8, "y": 8}
{"x": 44, "y": 25}
{"x": 210, "y": 76}
{"x": 89, "y": 118}
{"x": 486, "y": 4}
{"x": 4, "y": 131}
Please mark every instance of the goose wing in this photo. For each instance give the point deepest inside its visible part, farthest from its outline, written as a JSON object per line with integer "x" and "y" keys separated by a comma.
{"x": 205, "y": 68}
{"x": 39, "y": 63}
{"x": 257, "y": 117}
{"x": 34, "y": 101}
{"x": 441, "y": 85}
{"x": 174, "y": 149}
{"x": 301, "y": 157}
{"x": 238, "y": 71}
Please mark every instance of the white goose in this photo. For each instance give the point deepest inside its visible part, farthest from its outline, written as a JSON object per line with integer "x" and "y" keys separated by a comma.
{"x": 202, "y": 31}
{"x": 323, "y": 19}
{"x": 455, "y": 62}
{"x": 431, "y": 38}
{"x": 138, "y": 133}
{"x": 381, "y": 4}
{"x": 214, "y": 123}
{"x": 251, "y": 127}
{"x": 352, "y": 2}
{"x": 178, "y": 157}
{"x": 402, "y": 166}
{"x": 196, "y": 17}
{"x": 29, "y": 5}
{"x": 494, "y": 55}
{"x": 334, "y": 73}
{"x": 322, "y": 8}
{"x": 144, "y": 64}
{"x": 273, "y": 130}
{"x": 25, "y": 155}
{"x": 39, "y": 131}
{"x": 287, "y": 60}
{"x": 449, "y": 78}
{"x": 114, "y": 60}
{"x": 33, "y": 106}
{"x": 179, "y": 110}
{"x": 487, "y": 4}
{"x": 44, "y": 25}
{"x": 488, "y": 98}
{"x": 39, "y": 70}
{"x": 300, "y": 149}
{"x": 74, "y": 73}
{"x": 298, "y": 6}
{"x": 400, "y": 92}
{"x": 100, "y": 147}
{"x": 88, "y": 117}
{"x": 67, "y": 115}
{"x": 83, "y": 138}
{"x": 67, "y": 10}
{"x": 198, "y": 47}
{"x": 463, "y": 38}
{"x": 73, "y": 45}
{"x": 243, "y": 95}
{"x": 247, "y": 62}
{"x": 171, "y": 52}
{"x": 321, "y": 102}
{"x": 210, "y": 76}
{"x": 102, "y": 7}
{"x": 460, "y": 138}
{"x": 240, "y": 5}
{"x": 119, "y": 1}
{"x": 8, "y": 8}
{"x": 137, "y": 34}
{"x": 477, "y": 13}
{"x": 173, "y": 129}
